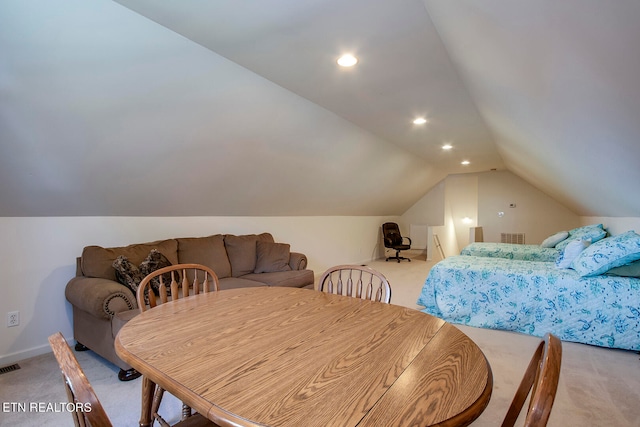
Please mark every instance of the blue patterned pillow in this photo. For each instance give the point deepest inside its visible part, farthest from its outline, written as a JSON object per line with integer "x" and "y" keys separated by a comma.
{"x": 593, "y": 232}
{"x": 608, "y": 253}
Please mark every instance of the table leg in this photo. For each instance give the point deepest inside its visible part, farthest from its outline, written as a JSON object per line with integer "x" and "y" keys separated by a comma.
{"x": 148, "y": 388}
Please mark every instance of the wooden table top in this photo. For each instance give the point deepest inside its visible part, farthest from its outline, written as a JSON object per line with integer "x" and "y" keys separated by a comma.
{"x": 279, "y": 356}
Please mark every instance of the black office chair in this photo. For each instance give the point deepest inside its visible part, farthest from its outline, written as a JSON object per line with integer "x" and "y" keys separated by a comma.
{"x": 394, "y": 240}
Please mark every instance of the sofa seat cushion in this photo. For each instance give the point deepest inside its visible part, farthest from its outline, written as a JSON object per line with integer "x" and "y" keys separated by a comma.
{"x": 97, "y": 261}
{"x": 242, "y": 251}
{"x": 292, "y": 278}
{"x": 209, "y": 251}
{"x": 238, "y": 282}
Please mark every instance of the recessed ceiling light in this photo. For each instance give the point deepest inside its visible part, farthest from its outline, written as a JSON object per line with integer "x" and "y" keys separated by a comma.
{"x": 420, "y": 121}
{"x": 347, "y": 60}
{"x": 465, "y": 162}
{"x": 447, "y": 147}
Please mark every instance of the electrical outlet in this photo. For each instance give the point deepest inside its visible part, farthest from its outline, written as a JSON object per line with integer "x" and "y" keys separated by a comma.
{"x": 13, "y": 318}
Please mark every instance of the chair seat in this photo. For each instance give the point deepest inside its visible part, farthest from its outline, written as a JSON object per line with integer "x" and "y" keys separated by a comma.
{"x": 401, "y": 247}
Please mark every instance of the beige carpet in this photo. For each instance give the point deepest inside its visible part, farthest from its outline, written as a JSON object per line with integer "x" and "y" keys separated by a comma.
{"x": 598, "y": 387}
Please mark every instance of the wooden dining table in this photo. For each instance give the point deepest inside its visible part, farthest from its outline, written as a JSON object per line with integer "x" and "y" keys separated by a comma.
{"x": 278, "y": 356}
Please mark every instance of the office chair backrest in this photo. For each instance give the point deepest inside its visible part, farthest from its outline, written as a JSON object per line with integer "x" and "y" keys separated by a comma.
{"x": 391, "y": 234}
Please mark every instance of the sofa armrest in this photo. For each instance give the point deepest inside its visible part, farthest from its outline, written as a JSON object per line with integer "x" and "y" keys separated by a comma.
{"x": 297, "y": 261}
{"x": 99, "y": 297}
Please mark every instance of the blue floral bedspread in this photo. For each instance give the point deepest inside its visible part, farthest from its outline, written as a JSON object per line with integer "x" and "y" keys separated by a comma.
{"x": 535, "y": 298}
{"x": 511, "y": 251}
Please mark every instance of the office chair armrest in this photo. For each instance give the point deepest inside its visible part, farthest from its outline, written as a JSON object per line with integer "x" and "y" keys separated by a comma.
{"x": 408, "y": 238}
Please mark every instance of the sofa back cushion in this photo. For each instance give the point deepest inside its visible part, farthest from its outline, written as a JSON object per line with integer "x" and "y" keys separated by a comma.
{"x": 209, "y": 251}
{"x": 98, "y": 261}
{"x": 242, "y": 251}
{"x": 272, "y": 257}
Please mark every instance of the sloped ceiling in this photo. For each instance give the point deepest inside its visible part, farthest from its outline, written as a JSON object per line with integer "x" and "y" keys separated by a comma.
{"x": 404, "y": 70}
{"x": 558, "y": 84}
{"x": 236, "y": 107}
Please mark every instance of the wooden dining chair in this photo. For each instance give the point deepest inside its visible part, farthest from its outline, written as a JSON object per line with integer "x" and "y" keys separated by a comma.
{"x": 356, "y": 281}
{"x": 173, "y": 282}
{"x": 88, "y": 409}
{"x": 164, "y": 285}
{"x": 542, "y": 375}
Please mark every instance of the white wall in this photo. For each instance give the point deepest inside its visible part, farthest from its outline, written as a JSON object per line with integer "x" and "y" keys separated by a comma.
{"x": 535, "y": 213}
{"x": 38, "y": 255}
{"x": 461, "y": 198}
{"x": 614, "y": 225}
{"x": 480, "y": 196}
{"x": 428, "y": 210}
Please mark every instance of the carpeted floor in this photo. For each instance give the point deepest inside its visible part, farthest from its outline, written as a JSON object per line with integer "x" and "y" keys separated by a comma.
{"x": 598, "y": 387}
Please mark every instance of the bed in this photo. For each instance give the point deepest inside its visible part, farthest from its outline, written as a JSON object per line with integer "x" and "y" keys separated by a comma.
{"x": 535, "y": 297}
{"x": 511, "y": 251}
{"x": 549, "y": 250}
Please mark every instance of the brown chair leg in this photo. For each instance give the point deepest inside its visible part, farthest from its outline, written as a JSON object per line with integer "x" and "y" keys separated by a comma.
{"x": 157, "y": 398}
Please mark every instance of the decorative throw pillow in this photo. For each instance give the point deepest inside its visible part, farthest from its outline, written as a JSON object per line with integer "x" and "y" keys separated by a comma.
{"x": 593, "y": 233}
{"x": 608, "y": 253}
{"x": 127, "y": 273}
{"x": 155, "y": 261}
{"x": 627, "y": 270}
{"x": 553, "y": 240}
{"x": 272, "y": 257}
{"x": 570, "y": 253}
{"x": 131, "y": 276}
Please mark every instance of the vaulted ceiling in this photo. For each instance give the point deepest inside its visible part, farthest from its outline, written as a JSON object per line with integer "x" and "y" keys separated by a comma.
{"x": 237, "y": 107}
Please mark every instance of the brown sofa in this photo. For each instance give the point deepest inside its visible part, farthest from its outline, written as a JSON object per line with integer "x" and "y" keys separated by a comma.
{"x": 102, "y": 305}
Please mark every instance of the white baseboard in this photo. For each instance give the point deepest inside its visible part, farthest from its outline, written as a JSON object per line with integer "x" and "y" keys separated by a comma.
{"x": 10, "y": 359}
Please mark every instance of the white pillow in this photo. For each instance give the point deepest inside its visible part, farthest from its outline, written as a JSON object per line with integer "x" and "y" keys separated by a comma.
{"x": 552, "y": 241}
{"x": 571, "y": 252}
